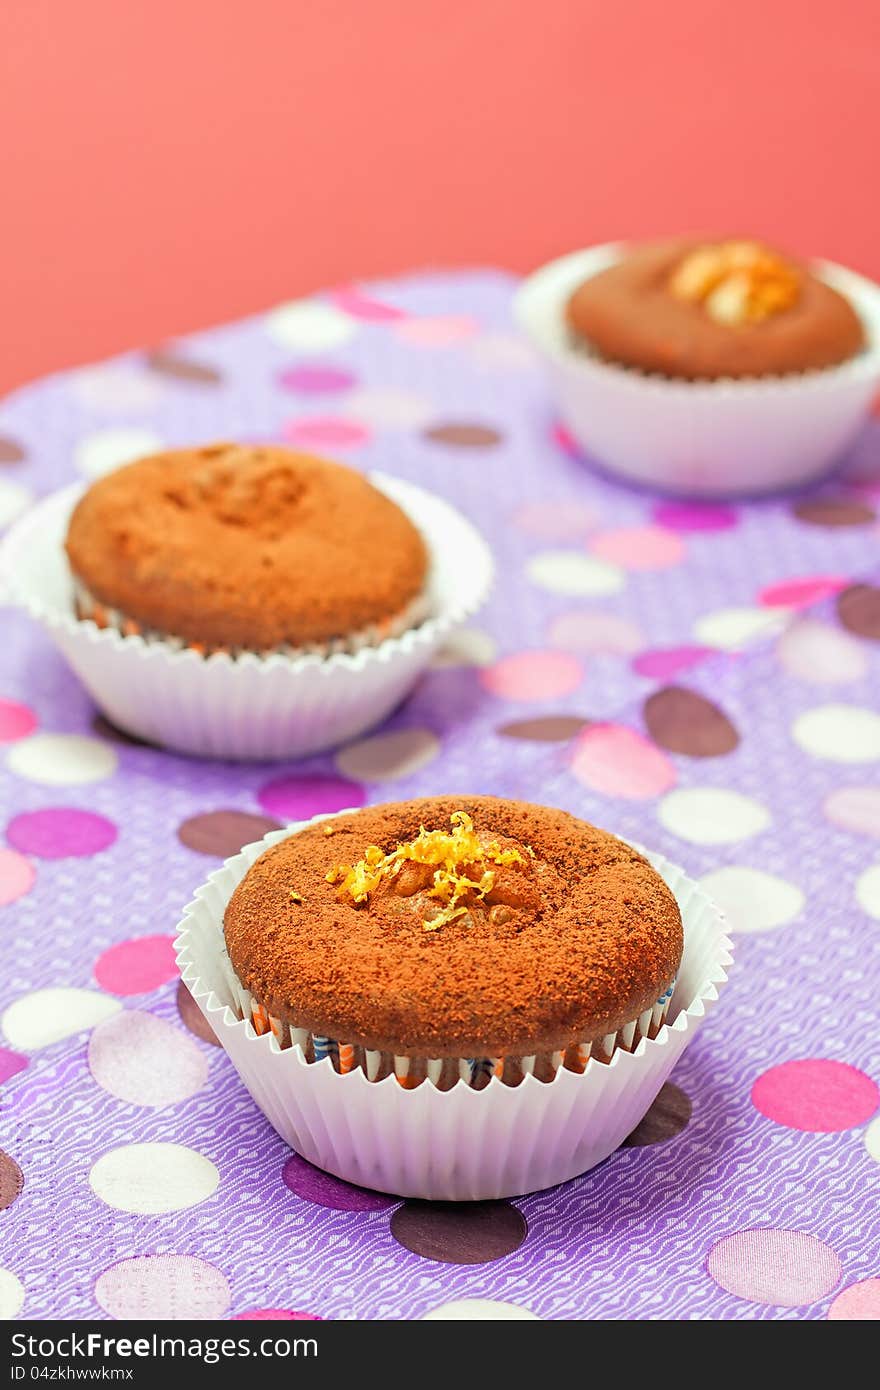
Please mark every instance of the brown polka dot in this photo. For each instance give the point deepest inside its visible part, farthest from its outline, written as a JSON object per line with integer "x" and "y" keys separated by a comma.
{"x": 668, "y": 1116}
{"x": 462, "y": 435}
{"x": 10, "y": 450}
{"x": 167, "y": 363}
{"x": 11, "y": 1180}
{"x": 104, "y": 729}
{"x": 192, "y": 1017}
{"x": 833, "y": 511}
{"x": 224, "y": 832}
{"x": 682, "y": 721}
{"x": 858, "y": 609}
{"x": 553, "y": 728}
{"x": 459, "y": 1233}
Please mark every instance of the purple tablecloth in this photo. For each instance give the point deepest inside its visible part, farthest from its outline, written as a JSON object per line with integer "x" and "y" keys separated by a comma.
{"x": 139, "y": 1178}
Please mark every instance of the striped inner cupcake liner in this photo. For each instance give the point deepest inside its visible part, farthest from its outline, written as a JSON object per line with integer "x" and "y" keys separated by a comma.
{"x": 89, "y": 609}
{"x": 445, "y": 1072}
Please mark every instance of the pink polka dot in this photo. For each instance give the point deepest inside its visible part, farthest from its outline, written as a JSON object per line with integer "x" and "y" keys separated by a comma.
{"x": 316, "y": 380}
{"x": 816, "y": 1095}
{"x": 11, "y": 1063}
{"x": 17, "y": 876}
{"x": 533, "y": 676}
{"x": 133, "y": 967}
{"x": 664, "y": 662}
{"x": 694, "y": 516}
{"x": 358, "y": 305}
{"x": 61, "y": 832}
{"x": 617, "y": 761}
{"x": 856, "y": 809}
{"x": 144, "y": 1060}
{"x": 786, "y": 1268}
{"x": 859, "y": 1302}
{"x": 16, "y": 721}
{"x": 639, "y": 548}
{"x": 163, "y": 1286}
{"x": 563, "y": 438}
{"x": 588, "y": 630}
{"x": 555, "y": 521}
{"x": 299, "y": 798}
{"x": 799, "y": 593}
{"x": 275, "y": 1315}
{"x": 325, "y": 432}
{"x": 440, "y": 331}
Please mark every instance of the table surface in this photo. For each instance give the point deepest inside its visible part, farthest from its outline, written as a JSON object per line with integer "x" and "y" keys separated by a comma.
{"x": 701, "y": 678}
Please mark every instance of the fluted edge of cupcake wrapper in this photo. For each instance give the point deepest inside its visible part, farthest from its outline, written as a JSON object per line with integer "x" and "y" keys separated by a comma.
{"x": 463, "y": 1143}
{"x": 731, "y": 436}
{"x": 247, "y": 706}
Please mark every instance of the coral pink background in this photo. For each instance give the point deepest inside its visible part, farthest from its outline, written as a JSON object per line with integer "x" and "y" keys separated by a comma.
{"x": 179, "y": 162}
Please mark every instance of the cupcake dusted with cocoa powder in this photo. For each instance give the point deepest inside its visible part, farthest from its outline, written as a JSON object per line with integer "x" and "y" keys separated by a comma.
{"x": 704, "y": 310}
{"x": 454, "y": 938}
{"x": 246, "y": 548}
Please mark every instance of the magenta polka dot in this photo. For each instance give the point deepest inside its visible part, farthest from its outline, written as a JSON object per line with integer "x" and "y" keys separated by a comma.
{"x": 664, "y": 662}
{"x": 133, "y": 967}
{"x": 694, "y": 516}
{"x": 563, "y": 438}
{"x": 785, "y": 1268}
{"x": 300, "y": 798}
{"x": 17, "y": 876}
{"x": 11, "y": 1063}
{"x": 358, "y": 305}
{"x": 816, "y": 1095}
{"x": 537, "y": 675}
{"x": 275, "y": 1315}
{"x": 325, "y": 432}
{"x": 617, "y": 761}
{"x": 799, "y": 593}
{"x": 859, "y": 1302}
{"x": 639, "y": 547}
{"x": 16, "y": 721}
{"x": 61, "y": 832}
{"x": 316, "y": 380}
{"x": 325, "y": 1190}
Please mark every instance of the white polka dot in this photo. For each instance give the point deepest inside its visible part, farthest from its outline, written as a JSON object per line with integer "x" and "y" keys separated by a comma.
{"x": 753, "y": 900}
{"x": 467, "y": 647}
{"x": 62, "y": 760}
{"x": 731, "y": 629}
{"x": 114, "y": 390}
{"x": 385, "y": 757}
{"x": 478, "y": 1309}
{"x": 153, "y": 1178}
{"x": 872, "y": 1139}
{"x": 47, "y": 1015}
{"x": 14, "y": 499}
{"x": 712, "y": 815}
{"x": 820, "y": 654}
{"x": 570, "y": 572}
{"x": 11, "y": 1295}
{"x": 503, "y": 351}
{"x": 868, "y": 890}
{"x": 309, "y": 325}
{"x": 104, "y": 450}
{"x": 840, "y": 733}
{"x": 387, "y": 408}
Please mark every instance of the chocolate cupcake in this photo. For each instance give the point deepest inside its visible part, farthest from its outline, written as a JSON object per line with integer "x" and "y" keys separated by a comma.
{"x": 234, "y": 548}
{"x": 451, "y": 939}
{"x": 702, "y": 310}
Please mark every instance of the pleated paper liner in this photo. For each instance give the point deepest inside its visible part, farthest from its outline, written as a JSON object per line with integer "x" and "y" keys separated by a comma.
{"x": 467, "y": 1142}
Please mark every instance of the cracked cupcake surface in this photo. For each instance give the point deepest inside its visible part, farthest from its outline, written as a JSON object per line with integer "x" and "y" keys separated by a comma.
{"x": 246, "y": 548}
{"x": 703, "y": 309}
{"x": 454, "y": 928}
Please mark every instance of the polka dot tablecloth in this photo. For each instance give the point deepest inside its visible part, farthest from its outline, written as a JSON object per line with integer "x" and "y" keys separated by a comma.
{"x": 702, "y": 678}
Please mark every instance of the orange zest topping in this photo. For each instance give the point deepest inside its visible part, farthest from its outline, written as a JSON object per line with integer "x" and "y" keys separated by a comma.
{"x": 463, "y": 867}
{"x": 737, "y": 282}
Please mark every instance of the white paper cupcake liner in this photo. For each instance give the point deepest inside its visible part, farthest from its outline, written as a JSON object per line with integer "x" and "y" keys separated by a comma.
{"x": 247, "y": 706}
{"x": 701, "y": 438}
{"x": 460, "y": 1144}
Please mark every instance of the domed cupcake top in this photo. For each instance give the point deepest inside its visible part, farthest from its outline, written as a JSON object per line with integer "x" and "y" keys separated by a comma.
{"x": 243, "y": 546}
{"x": 454, "y": 926}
